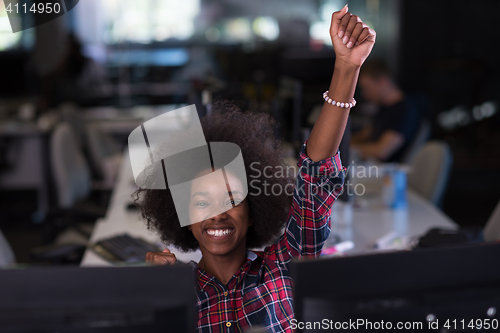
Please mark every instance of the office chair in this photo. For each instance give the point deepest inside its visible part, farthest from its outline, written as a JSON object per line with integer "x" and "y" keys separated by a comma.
{"x": 71, "y": 219}
{"x": 421, "y": 137}
{"x": 70, "y": 170}
{"x": 6, "y": 254}
{"x": 69, "y": 114}
{"x": 491, "y": 231}
{"x": 104, "y": 155}
{"x": 430, "y": 171}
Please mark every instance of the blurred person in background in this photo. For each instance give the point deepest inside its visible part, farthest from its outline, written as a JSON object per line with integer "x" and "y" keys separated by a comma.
{"x": 396, "y": 122}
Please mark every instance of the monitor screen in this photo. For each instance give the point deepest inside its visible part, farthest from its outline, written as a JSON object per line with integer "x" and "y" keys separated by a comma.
{"x": 451, "y": 289}
{"x": 124, "y": 299}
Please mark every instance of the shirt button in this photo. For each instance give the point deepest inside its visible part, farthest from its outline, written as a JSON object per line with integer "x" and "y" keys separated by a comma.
{"x": 228, "y": 324}
{"x": 225, "y": 294}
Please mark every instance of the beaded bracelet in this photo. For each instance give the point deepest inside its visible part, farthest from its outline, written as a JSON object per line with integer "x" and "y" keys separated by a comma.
{"x": 339, "y": 104}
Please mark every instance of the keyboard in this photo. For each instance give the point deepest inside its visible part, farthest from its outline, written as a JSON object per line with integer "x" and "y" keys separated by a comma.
{"x": 124, "y": 248}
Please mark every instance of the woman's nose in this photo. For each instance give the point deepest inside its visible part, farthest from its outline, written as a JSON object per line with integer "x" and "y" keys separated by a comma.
{"x": 220, "y": 217}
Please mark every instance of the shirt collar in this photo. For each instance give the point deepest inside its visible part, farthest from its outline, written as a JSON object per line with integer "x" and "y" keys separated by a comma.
{"x": 251, "y": 255}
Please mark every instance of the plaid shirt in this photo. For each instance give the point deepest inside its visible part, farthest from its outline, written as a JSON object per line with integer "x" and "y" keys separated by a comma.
{"x": 259, "y": 295}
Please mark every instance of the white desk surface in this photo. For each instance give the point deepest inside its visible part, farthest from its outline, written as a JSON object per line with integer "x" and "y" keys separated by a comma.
{"x": 374, "y": 222}
{"x": 368, "y": 224}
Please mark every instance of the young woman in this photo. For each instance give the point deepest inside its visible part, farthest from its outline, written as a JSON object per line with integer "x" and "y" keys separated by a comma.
{"x": 240, "y": 290}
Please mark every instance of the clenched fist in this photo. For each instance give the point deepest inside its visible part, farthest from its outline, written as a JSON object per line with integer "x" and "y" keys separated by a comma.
{"x": 352, "y": 39}
{"x": 161, "y": 258}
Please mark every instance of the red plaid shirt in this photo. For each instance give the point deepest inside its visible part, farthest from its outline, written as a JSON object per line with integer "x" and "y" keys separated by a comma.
{"x": 259, "y": 295}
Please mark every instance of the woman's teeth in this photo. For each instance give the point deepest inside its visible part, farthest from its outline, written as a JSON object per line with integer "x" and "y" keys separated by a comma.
{"x": 218, "y": 232}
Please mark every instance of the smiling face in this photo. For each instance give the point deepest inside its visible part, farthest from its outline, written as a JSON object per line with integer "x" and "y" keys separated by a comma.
{"x": 223, "y": 212}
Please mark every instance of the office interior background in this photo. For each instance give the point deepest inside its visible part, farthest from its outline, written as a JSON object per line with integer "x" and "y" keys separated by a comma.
{"x": 117, "y": 59}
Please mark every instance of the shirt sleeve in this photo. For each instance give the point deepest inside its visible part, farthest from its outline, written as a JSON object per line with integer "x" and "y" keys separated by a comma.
{"x": 317, "y": 186}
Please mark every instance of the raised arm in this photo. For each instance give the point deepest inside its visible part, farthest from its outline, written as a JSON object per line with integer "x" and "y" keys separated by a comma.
{"x": 352, "y": 41}
{"x": 321, "y": 176}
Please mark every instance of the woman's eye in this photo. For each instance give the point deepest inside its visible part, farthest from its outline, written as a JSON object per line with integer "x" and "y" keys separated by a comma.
{"x": 234, "y": 202}
{"x": 201, "y": 204}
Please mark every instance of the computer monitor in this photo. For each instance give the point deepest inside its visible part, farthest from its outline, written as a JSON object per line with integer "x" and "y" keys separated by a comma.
{"x": 424, "y": 290}
{"x": 119, "y": 299}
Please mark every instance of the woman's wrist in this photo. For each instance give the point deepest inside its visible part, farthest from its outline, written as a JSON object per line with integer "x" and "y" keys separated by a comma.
{"x": 347, "y": 67}
{"x": 344, "y": 80}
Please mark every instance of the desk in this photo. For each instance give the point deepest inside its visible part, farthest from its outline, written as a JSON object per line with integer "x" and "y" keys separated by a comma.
{"x": 368, "y": 224}
{"x": 374, "y": 222}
